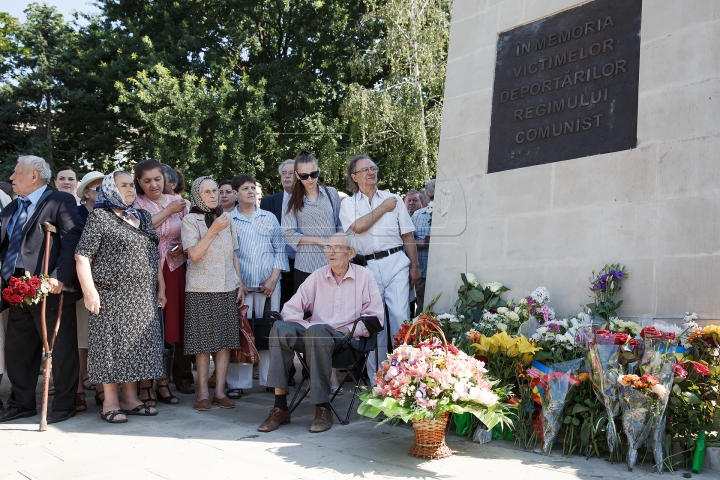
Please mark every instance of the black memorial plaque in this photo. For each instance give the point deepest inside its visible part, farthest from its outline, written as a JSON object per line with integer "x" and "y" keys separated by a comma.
{"x": 566, "y": 86}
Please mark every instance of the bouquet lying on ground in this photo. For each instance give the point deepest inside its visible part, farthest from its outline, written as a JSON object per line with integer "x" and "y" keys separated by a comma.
{"x": 27, "y": 289}
{"x": 424, "y": 381}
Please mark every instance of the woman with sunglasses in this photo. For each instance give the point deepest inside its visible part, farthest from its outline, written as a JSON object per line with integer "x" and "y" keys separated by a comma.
{"x": 311, "y": 215}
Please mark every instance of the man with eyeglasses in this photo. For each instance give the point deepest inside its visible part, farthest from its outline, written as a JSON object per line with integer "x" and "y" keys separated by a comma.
{"x": 336, "y": 295}
{"x": 382, "y": 227}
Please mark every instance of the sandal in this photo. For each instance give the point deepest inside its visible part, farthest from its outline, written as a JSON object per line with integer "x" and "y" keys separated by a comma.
{"x": 235, "y": 393}
{"x": 87, "y": 384}
{"x": 99, "y": 399}
{"x": 80, "y": 403}
{"x": 143, "y": 407}
{"x": 110, "y": 415}
{"x": 149, "y": 401}
{"x": 334, "y": 389}
{"x": 185, "y": 386}
{"x": 169, "y": 399}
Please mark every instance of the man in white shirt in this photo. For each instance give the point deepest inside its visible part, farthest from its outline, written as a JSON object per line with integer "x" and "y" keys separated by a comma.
{"x": 382, "y": 227}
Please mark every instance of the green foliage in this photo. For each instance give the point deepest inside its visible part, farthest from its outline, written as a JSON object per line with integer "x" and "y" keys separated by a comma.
{"x": 222, "y": 87}
{"x": 397, "y": 121}
{"x": 585, "y": 423}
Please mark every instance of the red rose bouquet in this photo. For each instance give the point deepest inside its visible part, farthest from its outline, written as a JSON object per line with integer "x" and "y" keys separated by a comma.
{"x": 26, "y": 289}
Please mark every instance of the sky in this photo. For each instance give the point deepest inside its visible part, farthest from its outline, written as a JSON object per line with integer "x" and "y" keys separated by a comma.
{"x": 65, "y": 7}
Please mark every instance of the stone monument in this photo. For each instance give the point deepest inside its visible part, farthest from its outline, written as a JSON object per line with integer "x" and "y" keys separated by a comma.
{"x": 576, "y": 134}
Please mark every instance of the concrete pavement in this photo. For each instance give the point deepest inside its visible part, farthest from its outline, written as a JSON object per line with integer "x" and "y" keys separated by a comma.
{"x": 181, "y": 443}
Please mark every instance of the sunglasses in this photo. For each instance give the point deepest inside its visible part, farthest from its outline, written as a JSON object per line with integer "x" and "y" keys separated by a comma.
{"x": 97, "y": 189}
{"x": 305, "y": 176}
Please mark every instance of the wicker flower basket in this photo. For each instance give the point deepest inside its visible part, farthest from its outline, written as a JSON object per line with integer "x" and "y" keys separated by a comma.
{"x": 430, "y": 438}
{"x": 430, "y": 434}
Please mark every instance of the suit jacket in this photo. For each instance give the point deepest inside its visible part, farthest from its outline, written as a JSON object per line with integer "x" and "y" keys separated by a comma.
{"x": 60, "y": 209}
{"x": 273, "y": 204}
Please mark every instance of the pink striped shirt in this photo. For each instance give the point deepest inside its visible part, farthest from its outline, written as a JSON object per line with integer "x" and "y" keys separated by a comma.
{"x": 336, "y": 304}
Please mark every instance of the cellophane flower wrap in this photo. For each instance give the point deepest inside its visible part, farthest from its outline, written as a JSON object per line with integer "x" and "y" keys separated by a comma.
{"x": 643, "y": 400}
{"x": 558, "y": 383}
{"x": 657, "y": 361}
{"x": 424, "y": 381}
{"x": 604, "y": 357}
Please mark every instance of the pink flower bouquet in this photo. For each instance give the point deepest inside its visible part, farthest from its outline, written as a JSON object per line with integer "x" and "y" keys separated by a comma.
{"x": 424, "y": 381}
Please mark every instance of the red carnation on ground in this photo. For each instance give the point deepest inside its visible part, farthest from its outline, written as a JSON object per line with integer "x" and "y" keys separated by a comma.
{"x": 679, "y": 371}
{"x": 701, "y": 369}
{"x": 602, "y": 332}
{"x": 34, "y": 282}
{"x": 621, "y": 338}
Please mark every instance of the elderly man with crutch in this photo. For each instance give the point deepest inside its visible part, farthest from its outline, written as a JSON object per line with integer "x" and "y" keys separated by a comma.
{"x": 22, "y": 249}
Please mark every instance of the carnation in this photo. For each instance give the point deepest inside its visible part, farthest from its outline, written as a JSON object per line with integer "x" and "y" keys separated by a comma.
{"x": 659, "y": 390}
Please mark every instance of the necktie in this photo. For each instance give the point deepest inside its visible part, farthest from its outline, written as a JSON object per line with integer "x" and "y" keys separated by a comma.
{"x": 15, "y": 231}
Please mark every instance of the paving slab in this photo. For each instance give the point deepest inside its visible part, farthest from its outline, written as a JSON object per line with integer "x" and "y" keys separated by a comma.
{"x": 181, "y": 443}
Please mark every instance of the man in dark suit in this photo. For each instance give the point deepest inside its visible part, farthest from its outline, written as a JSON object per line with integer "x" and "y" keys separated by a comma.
{"x": 22, "y": 250}
{"x": 273, "y": 204}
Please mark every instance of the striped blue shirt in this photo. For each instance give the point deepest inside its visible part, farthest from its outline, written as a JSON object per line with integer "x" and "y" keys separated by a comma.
{"x": 261, "y": 247}
{"x": 421, "y": 219}
{"x": 320, "y": 218}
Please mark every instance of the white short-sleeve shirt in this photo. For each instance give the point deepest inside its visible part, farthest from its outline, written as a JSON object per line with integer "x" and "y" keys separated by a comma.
{"x": 385, "y": 233}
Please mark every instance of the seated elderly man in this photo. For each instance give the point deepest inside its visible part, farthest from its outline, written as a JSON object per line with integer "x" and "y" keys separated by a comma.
{"x": 336, "y": 295}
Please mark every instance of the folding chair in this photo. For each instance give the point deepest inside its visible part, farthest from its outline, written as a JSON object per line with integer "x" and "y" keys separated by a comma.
{"x": 349, "y": 356}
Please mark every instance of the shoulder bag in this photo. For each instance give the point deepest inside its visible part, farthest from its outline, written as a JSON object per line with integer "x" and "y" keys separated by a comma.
{"x": 247, "y": 353}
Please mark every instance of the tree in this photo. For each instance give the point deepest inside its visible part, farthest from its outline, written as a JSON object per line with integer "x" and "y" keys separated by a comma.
{"x": 39, "y": 66}
{"x": 202, "y": 129}
{"x": 397, "y": 122}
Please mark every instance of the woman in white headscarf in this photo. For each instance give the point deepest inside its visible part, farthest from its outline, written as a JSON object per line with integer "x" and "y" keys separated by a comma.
{"x": 213, "y": 290}
{"x": 118, "y": 265}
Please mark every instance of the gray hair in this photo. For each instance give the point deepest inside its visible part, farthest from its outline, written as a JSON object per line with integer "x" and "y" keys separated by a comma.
{"x": 429, "y": 184}
{"x": 352, "y": 184}
{"x": 36, "y": 164}
{"x": 350, "y": 238}
{"x": 170, "y": 174}
{"x": 282, "y": 165}
{"x": 416, "y": 192}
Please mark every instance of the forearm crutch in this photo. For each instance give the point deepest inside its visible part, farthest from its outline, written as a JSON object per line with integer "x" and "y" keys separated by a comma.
{"x": 49, "y": 229}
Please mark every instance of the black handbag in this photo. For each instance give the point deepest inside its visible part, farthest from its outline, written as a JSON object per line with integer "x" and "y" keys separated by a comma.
{"x": 168, "y": 350}
{"x": 261, "y": 328}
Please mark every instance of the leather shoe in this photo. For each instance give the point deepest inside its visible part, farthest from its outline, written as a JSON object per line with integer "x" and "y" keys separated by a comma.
{"x": 276, "y": 418}
{"x": 13, "y": 413}
{"x": 60, "y": 415}
{"x": 185, "y": 386}
{"x": 323, "y": 420}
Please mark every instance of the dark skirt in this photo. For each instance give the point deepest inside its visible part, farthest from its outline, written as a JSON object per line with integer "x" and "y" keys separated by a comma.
{"x": 174, "y": 311}
{"x": 211, "y": 322}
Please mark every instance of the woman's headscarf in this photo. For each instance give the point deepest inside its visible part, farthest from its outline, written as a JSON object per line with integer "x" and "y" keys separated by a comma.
{"x": 109, "y": 196}
{"x": 198, "y": 206}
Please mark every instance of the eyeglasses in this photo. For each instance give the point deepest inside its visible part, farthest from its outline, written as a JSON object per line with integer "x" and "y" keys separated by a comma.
{"x": 335, "y": 248}
{"x": 367, "y": 169}
{"x": 305, "y": 176}
{"x": 97, "y": 189}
